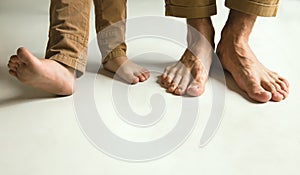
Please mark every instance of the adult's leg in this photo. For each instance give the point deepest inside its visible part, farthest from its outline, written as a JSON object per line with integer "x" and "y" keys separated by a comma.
{"x": 66, "y": 50}
{"x": 110, "y": 28}
{"x": 190, "y": 74}
{"x": 260, "y": 83}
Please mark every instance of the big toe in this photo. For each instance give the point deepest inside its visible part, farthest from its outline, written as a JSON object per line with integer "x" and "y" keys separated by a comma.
{"x": 25, "y": 56}
{"x": 259, "y": 94}
{"x": 196, "y": 88}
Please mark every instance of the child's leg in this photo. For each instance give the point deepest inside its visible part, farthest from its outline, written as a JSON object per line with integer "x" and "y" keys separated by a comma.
{"x": 69, "y": 32}
{"x": 110, "y": 27}
{"x": 66, "y": 50}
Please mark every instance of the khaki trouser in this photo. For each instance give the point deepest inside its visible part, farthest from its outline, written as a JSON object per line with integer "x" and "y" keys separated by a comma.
{"x": 69, "y": 24}
{"x": 206, "y": 8}
{"x": 69, "y": 30}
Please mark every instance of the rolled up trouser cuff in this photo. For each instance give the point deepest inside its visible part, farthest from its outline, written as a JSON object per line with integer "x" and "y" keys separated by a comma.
{"x": 68, "y": 49}
{"x": 254, "y": 7}
{"x": 190, "y": 11}
{"x": 119, "y": 51}
{"x": 70, "y": 61}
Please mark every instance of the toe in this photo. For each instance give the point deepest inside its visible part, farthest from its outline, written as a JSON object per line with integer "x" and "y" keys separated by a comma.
{"x": 196, "y": 88}
{"x": 181, "y": 89}
{"x": 283, "y": 93}
{"x": 12, "y": 66}
{"x": 171, "y": 75}
{"x": 129, "y": 77}
{"x": 271, "y": 87}
{"x": 279, "y": 90}
{"x": 282, "y": 85}
{"x": 13, "y": 73}
{"x": 15, "y": 59}
{"x": 163, "y": 77}
{"x": 169, "y": 79}
{"x": 277, "y": 97}
{"x": 140, "y": 76}
{"x": 25, "y": 56}
{"x": 134, "y": 80}
{"x": 175, "y": 83}
{"x": 257, "y": 93}
{"x": 146, "y": 73}
{"x": 285, "y": 82}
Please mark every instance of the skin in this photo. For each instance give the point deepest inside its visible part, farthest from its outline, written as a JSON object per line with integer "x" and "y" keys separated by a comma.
{"x": 236, "y": 56}
{"x": 189, "y": 75}
{"x": 56, "y": 78}
{"x": 44, "y": 74}
{"x": 186, "y": 77}
{"x": 127, "y": 70}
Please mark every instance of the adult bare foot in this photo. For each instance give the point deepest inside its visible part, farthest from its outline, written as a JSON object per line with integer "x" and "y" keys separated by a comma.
{"x": 236, "y": 56}
{"x": 190, "y": 74}
{"x": 127, "y": 70}
{"x": 44, "y": 74}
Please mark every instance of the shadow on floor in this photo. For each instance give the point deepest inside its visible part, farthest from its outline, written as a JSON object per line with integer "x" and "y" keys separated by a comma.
{"x": 14, "y": 92}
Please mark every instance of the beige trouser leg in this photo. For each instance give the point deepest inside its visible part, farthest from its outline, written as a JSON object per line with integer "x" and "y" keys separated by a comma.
{"x": 190, "y": 8}
{"x": 69, "y": 30}
{"x": 206, "y": 8}
{"x": 68, "y": 33}
{"x": 110, "y": 28}
{"x": 254, "y": 7}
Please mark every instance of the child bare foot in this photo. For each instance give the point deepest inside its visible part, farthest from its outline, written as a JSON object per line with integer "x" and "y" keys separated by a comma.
{"x": 190, "y": 74}
{"x": 236, "y": 56}
{"x": 127, "y": 70}
{"x": 44, "y": 74}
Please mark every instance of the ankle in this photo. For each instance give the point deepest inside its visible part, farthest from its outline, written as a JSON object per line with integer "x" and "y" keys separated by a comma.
{"x": 229, "y": 35}
{"x": 199, "y": 22}
{"x": 238, "y": 27}
{"x": 71, "y": 70}
{"x": 203, "y": 26}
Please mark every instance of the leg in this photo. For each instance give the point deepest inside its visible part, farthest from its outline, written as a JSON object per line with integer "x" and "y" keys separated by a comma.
{"x": 236, "y": 56}
{"x": 66, "y": 50}
{"x": 110, "y": 27}
{"x": 189, "y": 75}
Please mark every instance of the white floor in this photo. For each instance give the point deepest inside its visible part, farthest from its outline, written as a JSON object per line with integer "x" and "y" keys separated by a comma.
{"x": 40, "y": 134}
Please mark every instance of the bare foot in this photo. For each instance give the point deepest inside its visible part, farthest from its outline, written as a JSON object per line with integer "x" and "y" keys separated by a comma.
{"x": 44, "y": 74}
{"x": 236, "y": 56}
{"x": 190, "y": 74}
{"x": 127, "y": 70}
